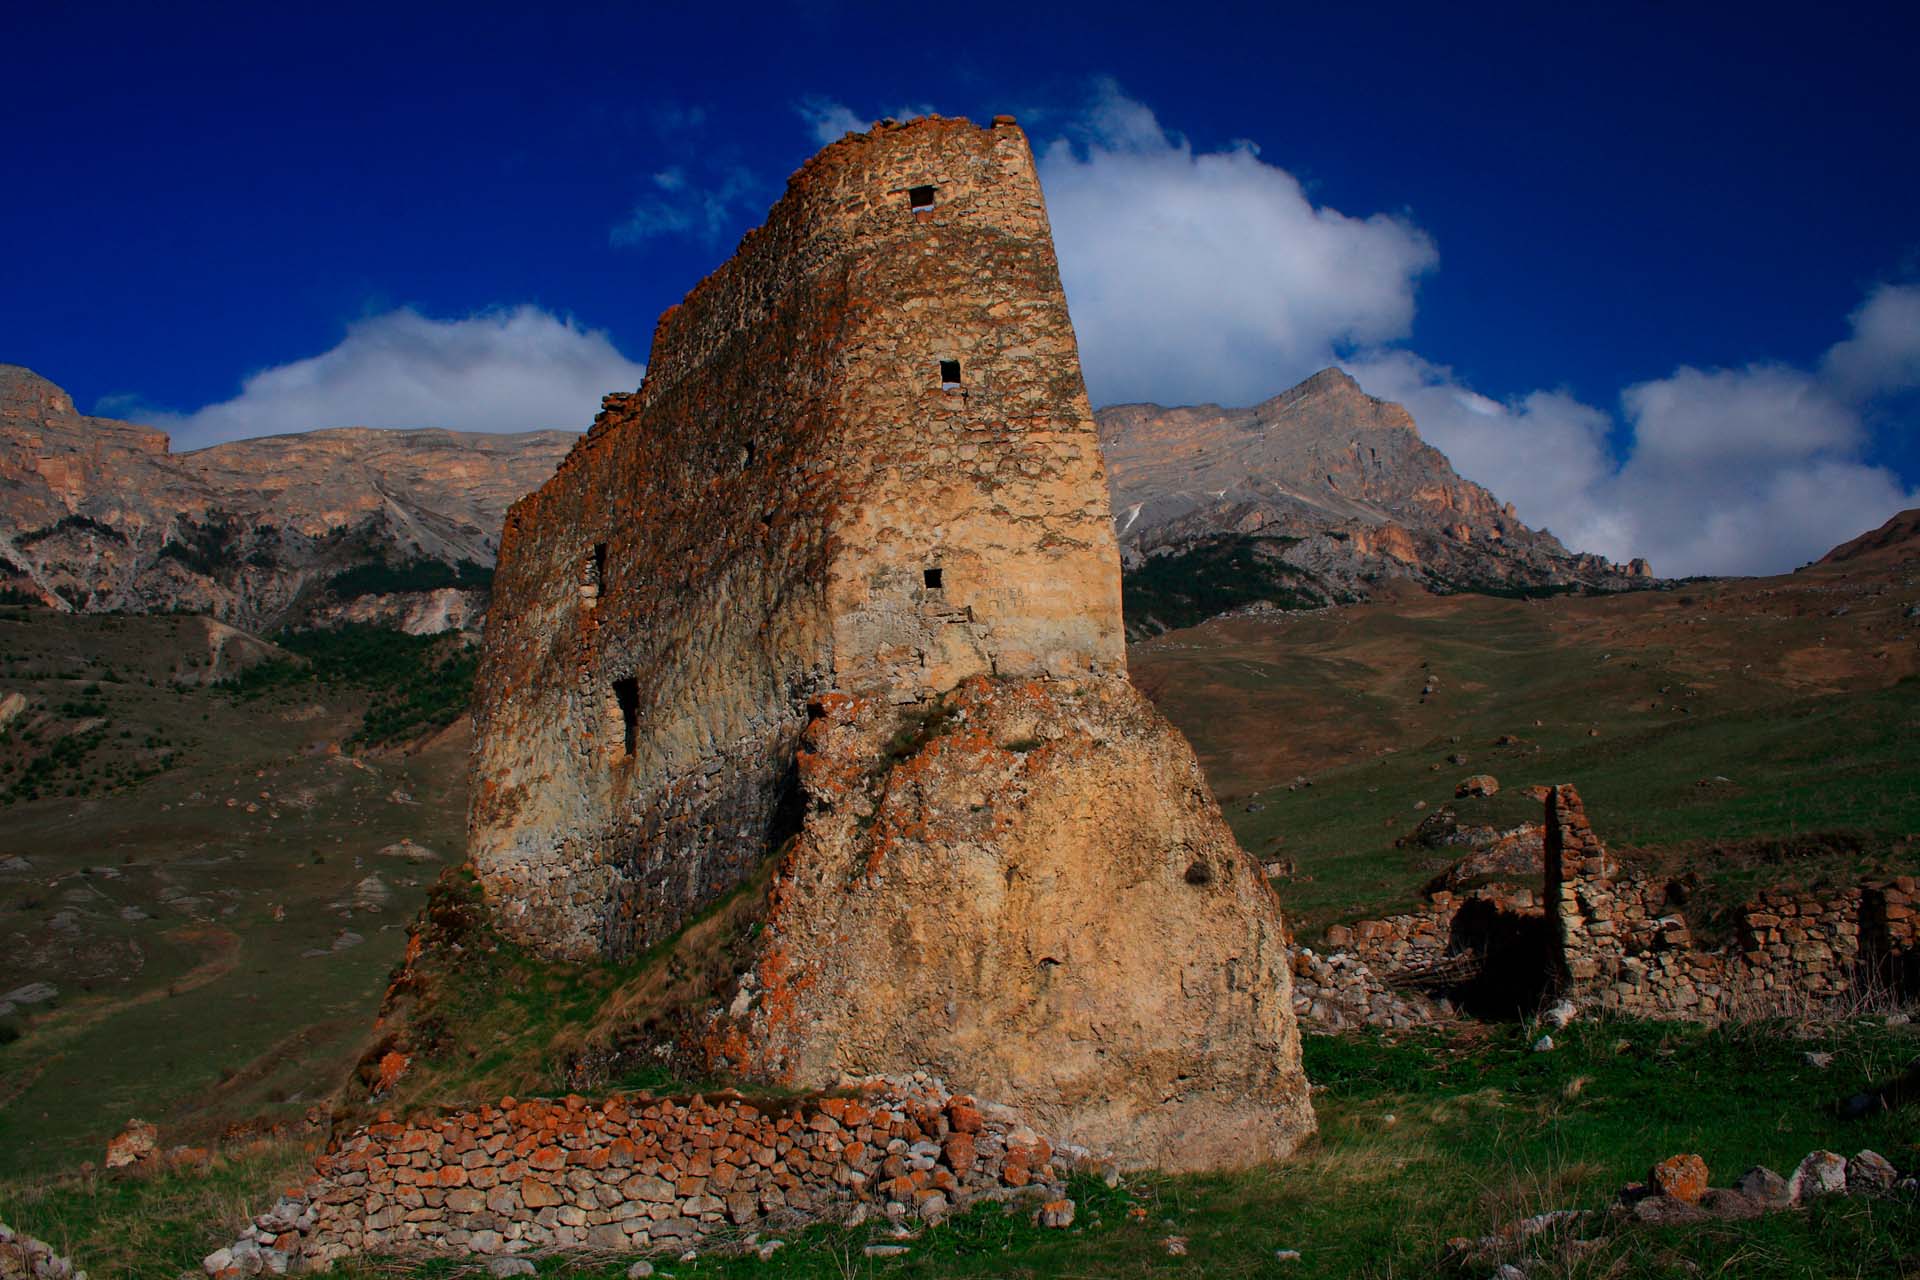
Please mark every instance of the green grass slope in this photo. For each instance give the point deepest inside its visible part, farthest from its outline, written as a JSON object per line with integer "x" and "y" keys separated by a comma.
{"x": 1743, "y": 730}
{"x": 211, "y": 883}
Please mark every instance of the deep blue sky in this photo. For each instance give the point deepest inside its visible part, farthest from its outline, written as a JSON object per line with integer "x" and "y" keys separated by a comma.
{"x": 199, "y": 192}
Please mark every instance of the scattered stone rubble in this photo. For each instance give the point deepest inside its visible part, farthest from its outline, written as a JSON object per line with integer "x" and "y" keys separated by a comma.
{"x": 1677, "y": 1190}
{"x": 24, "y": 1258}
{"x": 1396, "y": 972}
{"x": 629, "y": 1174}
{"x": 137, "y": 1143}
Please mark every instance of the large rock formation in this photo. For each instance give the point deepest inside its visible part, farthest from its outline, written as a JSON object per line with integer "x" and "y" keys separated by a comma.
{"x": 347, "y": 524}
{"x": 1307, "y": 498}
{"x": 1039, "y": 899}
{"x": 839, "y": 585}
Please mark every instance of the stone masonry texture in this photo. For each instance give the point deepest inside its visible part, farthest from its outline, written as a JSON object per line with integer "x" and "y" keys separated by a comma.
{"x": 1616, "y": 940}
{"x": 835, "y": 598}
{"x": 634, "y": 1173}
{"x": 862, "y": 460}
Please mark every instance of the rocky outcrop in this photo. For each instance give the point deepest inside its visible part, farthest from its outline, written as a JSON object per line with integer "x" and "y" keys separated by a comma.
{"x": 345, "y": 524}
{"x": 1315, "y": 496}
{"x": 24, "y": 1258}
{"x": 839, "y": 586}
{"x": 1039, "y": 897}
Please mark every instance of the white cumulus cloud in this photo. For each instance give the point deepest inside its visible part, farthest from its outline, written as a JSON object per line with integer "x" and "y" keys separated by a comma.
{"x": 516, "y": 369}
{"x": 1212, "y": 275}
{"x": 1714, "y": 471}
{"x": 1883, "y": 355}
{"x": 829, "y": 120}
{"x": 679, "y": 205}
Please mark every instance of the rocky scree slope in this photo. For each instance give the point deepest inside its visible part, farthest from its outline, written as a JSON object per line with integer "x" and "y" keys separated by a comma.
{"x": 1318, "y": 495}
{"x": 348, "y": 524}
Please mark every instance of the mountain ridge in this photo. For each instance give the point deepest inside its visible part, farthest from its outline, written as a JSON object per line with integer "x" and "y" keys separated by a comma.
{"x": 98, "y": 514}
{"x": 1320, "y": 493}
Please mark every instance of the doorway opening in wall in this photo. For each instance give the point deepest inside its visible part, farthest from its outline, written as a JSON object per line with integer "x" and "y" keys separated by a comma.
{"x": 931, "y": 577}
{"x": 920, "y": 199}
{"x": 949, "y": 375}
{"x": 626, "y": 693}
{"x": 597, "y": 566}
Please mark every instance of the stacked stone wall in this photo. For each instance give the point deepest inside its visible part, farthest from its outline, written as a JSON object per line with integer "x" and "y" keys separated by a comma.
{"x": 1398, "y": 972}
{"x": 633, "y": 1174}
{"x": 1617, "y": 941}
{"x": 1626, "y": 944}
{"x": 798, "y": 499}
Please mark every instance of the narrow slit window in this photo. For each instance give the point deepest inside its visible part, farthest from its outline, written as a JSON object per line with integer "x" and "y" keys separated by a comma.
{"x": 597, "y": 568}
{"x": 626, "y": 695}
{"x": 920, "y": 199}
{"x": 949, "y": 375}
{"x": 931, "y": 577}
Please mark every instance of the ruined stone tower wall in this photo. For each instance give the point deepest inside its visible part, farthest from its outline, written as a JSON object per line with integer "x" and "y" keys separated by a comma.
{"x": 801, "y": 497}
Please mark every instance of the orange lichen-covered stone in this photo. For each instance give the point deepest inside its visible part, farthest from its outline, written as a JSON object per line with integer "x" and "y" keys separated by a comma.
{"x": 1682, "y": 1177}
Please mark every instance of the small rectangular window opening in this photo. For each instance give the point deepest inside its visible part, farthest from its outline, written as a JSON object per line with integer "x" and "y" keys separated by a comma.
{"x": 949, "y": 375}
{"x": 920, "y": 199}
{"x": 627, "y": 694}
{"x": 932, "y": 578}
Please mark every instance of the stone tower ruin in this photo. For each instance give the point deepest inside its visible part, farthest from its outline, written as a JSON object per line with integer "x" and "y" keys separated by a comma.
{"x": 834, "y": 600}
{"x": 863, "y": 459}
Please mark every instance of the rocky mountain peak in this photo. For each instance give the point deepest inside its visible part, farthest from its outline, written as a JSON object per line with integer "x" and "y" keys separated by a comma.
{"x": 1334, "y": 394}
{"x": 24, "y": 393}
{"x": 1318, "y": 494}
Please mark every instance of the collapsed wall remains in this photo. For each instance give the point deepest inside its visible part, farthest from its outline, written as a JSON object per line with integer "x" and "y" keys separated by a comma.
{"x": 1608, "y": 937}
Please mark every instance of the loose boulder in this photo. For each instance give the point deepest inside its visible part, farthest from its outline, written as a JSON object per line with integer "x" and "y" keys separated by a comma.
{"x": 1822, "y": 1173}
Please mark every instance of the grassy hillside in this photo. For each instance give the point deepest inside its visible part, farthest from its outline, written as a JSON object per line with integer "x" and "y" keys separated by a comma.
{"x": 205, "y": 859}
{"x": 194, "y": 818}
{"x": 1747, "y": 731}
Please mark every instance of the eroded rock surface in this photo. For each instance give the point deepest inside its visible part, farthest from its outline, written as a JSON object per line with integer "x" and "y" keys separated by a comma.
{"x": 1041, "y": 898}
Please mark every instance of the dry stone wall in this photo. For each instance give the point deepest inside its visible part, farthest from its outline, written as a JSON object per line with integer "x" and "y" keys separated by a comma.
{"x": 862, "y": 460}
{"x": 1608, "y": 938}
{"x": 1626, "y": 944}
{"x": 630, "y": 1174}
{"x": 1407, "y": 969}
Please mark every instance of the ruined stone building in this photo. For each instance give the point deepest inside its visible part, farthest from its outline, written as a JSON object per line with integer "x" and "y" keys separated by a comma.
{"x": 863, "y": 459}
{"x": 835, "y": 598}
